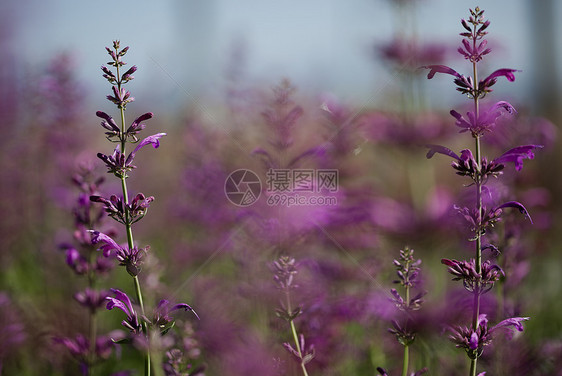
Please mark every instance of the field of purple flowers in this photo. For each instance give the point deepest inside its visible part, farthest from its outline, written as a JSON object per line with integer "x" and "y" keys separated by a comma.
{"x": 281, "y": 231}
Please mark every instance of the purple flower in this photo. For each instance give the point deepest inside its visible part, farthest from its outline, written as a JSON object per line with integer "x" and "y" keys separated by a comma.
{"x": 161, "y": 317}
{"x": 126, "y": 214}
{"x": 137, "y": 126}
{"x": 127, "y": 76}
{"x": 79, "y": 348}
{"x": 485, "y": 121}
{"x": 132, "y": 259}
{"x": 466, "y": 164}
{"x": 474, "y": 52}
{"x": 109, "y": 124}
{"x": 91, "y": 299}
{"x": 285, "y": 268}
{"x": 480, "y": 221}
{"x": 517, "y": 155}
{"x": 116, "y": 162}
{"x": 440, "y": 69}
{"x": 154, "y": 140}
{"x": 472, "y": 281}
{"x": 120, "y": 97}
{"x": 123, "y": 302}
{"x": 489, "y": 81}
{"x": 516, "y": 205}
{"x": 473, "y": 341}
{"x": 306, "y": 354}
{"x": 108, "y": 75}
{"x": 76, "y": 261}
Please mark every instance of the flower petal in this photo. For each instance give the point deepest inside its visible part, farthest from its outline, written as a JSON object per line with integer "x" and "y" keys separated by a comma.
{"x": 517, "y": 155}
{"x": 440, "y": 69}
{"x": 441, "y": 150}
{"x": 109, "y": 244}
{"x": 517, "y": 205}
{"x": 154, "y": 140}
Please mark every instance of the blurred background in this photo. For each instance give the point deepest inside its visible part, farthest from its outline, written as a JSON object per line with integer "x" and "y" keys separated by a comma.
{"x": 258, "y": 85}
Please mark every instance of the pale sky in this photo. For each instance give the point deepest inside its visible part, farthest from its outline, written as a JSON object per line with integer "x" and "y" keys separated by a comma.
{"x": 322, "y": 44}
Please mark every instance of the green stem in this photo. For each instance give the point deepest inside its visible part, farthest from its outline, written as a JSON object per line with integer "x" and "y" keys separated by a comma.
{"x": 473, "y": 367}
{"x": 129, "y": 231}
{"x": 295, "y": 335}
{"x": 406, "y": 360}
{"x": 478, "y": 247}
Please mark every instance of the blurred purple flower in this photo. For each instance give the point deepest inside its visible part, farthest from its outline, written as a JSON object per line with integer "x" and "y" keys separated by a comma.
{"x": 411, "y": 53}
{"x": 383, "y": 372}
{"x": 79, "y": 348}
{"x": 485, "y": 121}
{"x": 161, "y": 317}
{"x": 91, "y": 299}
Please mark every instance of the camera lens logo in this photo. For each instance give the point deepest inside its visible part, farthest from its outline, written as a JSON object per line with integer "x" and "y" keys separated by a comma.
{"x": 242, "y": 187}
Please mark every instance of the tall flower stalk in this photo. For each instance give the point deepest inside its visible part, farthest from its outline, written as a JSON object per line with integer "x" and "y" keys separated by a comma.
{"x": 126, "y": 211}
{"x": 284, "y": 269}
{"x": 84, "y": 261}
{"x": 407, "y": 270}
{"x": 479, "y": 276}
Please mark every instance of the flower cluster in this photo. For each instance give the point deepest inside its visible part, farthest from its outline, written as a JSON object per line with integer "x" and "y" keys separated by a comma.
{"x": 479, "y": 276}
{"x": 127, "y": 212}
{"x": 474, "y": 340}
{"x": 465, "y": 271}
{"x": 404, "y": 327}
{"x": 81, "y": 257}
{"x": 285, "y": 269}
{"x": 407, "y": 270}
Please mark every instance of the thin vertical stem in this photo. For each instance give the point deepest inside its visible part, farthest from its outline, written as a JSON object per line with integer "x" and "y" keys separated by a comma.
{"x": 406, "y": 360}
{"x": 128, "y": 228}
{"x": 295, "y": 335}
{"x": 473, "y": 367}
{"x": 478, "y": 247}
{"x": 405, "y": 363}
